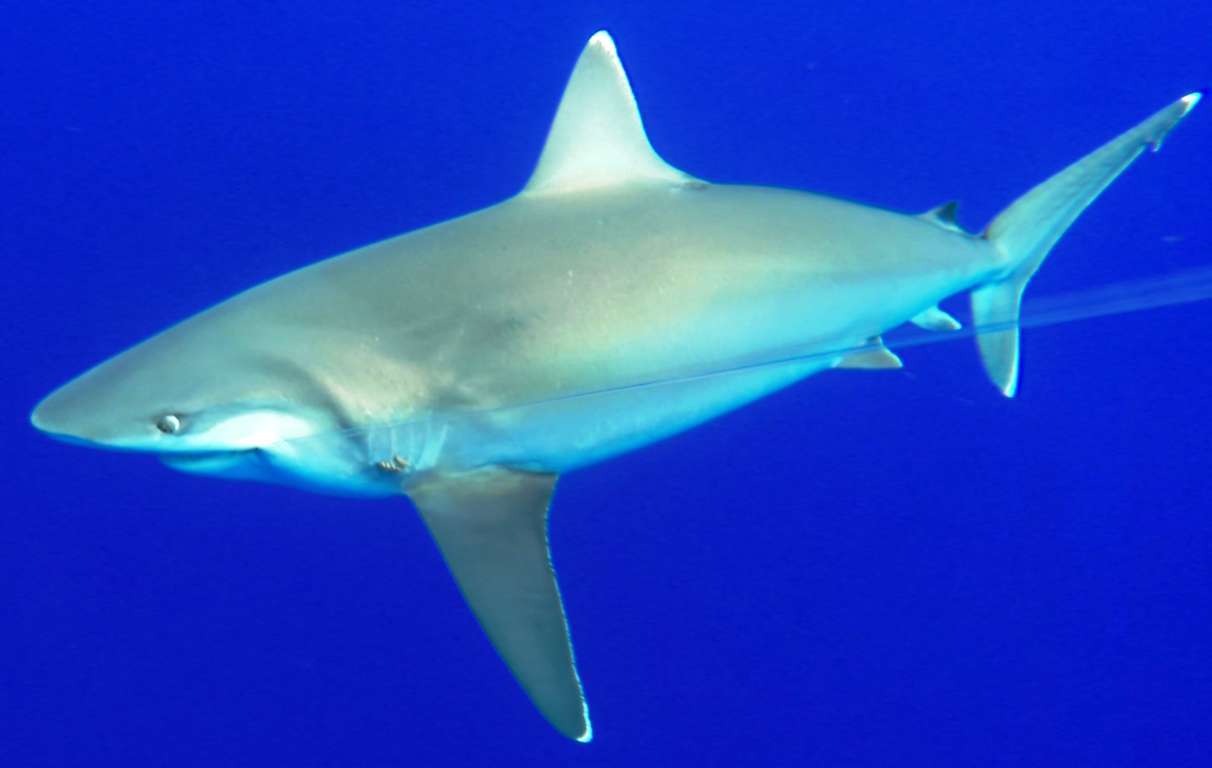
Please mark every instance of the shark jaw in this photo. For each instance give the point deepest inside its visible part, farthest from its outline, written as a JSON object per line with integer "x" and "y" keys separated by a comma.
{"x": 268, "y": 445}
{"x": 607, "y": 269}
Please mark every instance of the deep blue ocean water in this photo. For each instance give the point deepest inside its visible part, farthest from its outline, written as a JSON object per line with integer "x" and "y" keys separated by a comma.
{"x": 867, "y": 569}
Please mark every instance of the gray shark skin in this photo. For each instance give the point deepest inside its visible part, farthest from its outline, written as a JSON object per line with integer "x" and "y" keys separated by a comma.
{"x": 468, "y": 364}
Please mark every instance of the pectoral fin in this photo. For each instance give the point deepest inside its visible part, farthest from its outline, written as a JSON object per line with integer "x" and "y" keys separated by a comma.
{"x": 491, "y": 526}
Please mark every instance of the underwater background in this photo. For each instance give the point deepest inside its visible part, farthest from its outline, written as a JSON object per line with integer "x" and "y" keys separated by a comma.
{"x": 866, "y": 569}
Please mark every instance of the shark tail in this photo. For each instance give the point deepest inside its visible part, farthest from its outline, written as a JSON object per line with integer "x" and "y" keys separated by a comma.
{"x": 1024, "y": 233}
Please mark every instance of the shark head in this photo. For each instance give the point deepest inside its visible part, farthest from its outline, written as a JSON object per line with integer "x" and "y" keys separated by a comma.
{"x": 201, "y": 399}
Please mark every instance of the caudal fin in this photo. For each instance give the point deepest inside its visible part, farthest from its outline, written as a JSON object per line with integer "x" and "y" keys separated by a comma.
{"x": 1025, "y": 232}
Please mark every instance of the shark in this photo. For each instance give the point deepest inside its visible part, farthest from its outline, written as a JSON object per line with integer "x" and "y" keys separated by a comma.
{"x": 614, "y": 301}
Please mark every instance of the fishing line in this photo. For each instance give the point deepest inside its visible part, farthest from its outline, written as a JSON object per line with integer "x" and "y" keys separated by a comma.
{"x": 1177, "y": 288}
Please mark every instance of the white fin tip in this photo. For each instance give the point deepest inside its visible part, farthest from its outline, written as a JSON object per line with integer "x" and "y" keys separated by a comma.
{"x": 603, "y": 40}
{"x": 587, "y": 736}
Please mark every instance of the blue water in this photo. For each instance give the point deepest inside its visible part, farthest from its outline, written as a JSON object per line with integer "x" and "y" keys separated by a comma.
{"x": 868, "y": 569}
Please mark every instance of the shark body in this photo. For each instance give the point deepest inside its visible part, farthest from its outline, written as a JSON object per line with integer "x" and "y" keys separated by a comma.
{"x": 468, "y": 364}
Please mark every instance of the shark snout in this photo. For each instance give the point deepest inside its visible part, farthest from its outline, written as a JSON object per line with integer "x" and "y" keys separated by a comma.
{"x": 114, "y": 404}
{"x": 97, "y": 408}
{"x": 62, "y": 415}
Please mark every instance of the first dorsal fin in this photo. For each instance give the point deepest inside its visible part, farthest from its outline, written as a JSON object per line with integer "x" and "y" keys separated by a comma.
{"x": 944, "y": 216}
{"x": 597, "y": 139}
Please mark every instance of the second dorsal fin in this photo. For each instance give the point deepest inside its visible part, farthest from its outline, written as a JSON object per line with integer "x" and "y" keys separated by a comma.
{"x": 944, "y": 216}
{"x": 597, "y": 138}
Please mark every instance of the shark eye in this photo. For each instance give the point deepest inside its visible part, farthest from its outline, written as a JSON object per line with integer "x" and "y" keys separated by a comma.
{"x": 169, "y": 424}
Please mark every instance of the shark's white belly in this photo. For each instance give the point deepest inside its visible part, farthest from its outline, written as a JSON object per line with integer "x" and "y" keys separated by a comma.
{"x": 569, "y": 433}
{"x": 566, "y": 433}
{"x": 557, "y": 435}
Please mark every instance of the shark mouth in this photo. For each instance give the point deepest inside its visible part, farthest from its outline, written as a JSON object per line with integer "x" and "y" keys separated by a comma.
{"x": 243, "y": 464}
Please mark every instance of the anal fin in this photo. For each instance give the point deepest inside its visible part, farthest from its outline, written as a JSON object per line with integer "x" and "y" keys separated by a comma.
{"x": 491, "y": 526}
{"x": 935, "y": 319}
